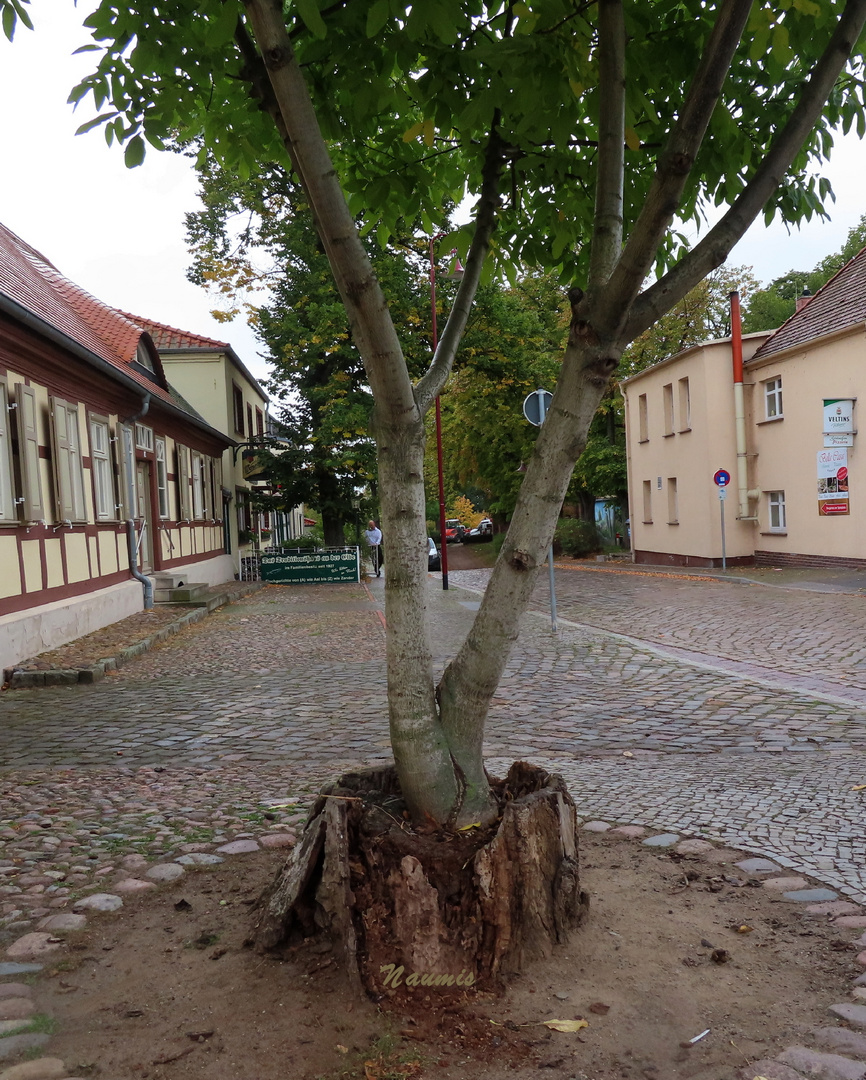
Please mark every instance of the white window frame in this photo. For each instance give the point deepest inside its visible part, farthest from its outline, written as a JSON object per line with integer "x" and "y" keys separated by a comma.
{"x": 182, "y": 482}
{"x": 27, "y": 423}
{"x": 102, "y": 470}
{"x": 668, "y": 400}
{"x": 773, "y": 398}
{"x": 8, "y": 508}
{"x": 161, "y": 477}
{"x": 685, "y": 404}
{"x": 68, "y": 467}
{"x": 144, "y": 438}
{"x": 198, "y": 494}
{"x": 777, "y": 518}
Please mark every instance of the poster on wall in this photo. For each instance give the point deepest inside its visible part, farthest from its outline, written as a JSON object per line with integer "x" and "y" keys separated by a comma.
{"x": 833, "y": 482}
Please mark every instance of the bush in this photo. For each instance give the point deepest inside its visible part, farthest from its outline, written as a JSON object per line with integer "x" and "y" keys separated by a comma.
{"x": 308, "y": 542}
{"x": 576, "y": 538}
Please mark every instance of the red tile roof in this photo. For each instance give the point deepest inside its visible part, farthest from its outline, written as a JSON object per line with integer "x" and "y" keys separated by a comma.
{"x": 35, "y": 284}
{"x": 835, "y": 306}
{"x": 169, "y": 337}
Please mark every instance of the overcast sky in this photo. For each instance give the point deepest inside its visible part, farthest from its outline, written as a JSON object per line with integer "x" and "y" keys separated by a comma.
{"x": 119, "y": 232}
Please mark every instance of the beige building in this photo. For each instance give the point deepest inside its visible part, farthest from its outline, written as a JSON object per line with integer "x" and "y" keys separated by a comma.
{"x": 787, "y": 439}
{"x": 107, "y": 478}
{"x": 213, "y": 379}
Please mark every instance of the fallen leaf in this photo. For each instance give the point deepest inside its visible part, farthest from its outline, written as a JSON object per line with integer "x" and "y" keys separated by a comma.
{"x": 627, "y": 753}
{"x": 342, "y": 1049}
{"x": 744, "y": 929}
{"x": 466, "y": 828}
{"x": 599, "y": 1008}
{"x": 565, "y": 1025}
{"x": 859, "y": 787}
{"x": 720, "y": 956}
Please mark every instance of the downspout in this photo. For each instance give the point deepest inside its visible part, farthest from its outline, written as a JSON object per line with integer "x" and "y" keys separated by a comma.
{"x": 743, "y": 492}
{"x": 131, "y": 545}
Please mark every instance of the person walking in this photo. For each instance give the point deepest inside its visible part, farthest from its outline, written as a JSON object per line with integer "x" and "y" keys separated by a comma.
{"x": 373, "y": 536}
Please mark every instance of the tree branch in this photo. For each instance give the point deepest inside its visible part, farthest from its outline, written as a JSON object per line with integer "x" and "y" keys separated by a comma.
{"x": 675, "y": 163}
{"x": 716, "y": 245}
{"x": 430, "y": 384}
{"x": 608, "y": 221}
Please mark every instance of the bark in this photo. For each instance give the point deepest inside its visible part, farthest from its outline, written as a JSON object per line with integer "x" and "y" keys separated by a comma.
{"x": 483, "y": 904}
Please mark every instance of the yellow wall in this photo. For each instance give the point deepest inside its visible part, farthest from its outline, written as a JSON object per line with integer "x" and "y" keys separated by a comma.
{"x": 10, "y": 579}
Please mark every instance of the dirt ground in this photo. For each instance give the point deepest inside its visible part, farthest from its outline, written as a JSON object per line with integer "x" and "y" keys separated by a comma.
{"x": 674, "y": 945}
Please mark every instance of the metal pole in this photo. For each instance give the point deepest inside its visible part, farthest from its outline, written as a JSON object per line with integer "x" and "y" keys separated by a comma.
{"x": 722, "y": 495}
{"x": 435, "y": 339}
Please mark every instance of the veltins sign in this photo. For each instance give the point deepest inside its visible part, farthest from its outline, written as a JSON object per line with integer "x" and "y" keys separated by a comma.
{"x": 838, "y": 416}
{"x": 300, "y": 567}
{"x": 833, "y": 482}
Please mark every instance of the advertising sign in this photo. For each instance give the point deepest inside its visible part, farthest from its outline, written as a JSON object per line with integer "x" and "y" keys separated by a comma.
{"x": 299, "y": 567}
{"x": 838, "y": 416}
{"x": 833, "y": 482}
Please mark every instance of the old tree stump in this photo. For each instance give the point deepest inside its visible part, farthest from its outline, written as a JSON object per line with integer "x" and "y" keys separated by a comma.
{"x": 407, "y": 906}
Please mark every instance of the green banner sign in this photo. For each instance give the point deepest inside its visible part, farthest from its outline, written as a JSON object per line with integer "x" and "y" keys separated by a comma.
{"x": 301, "y": 567}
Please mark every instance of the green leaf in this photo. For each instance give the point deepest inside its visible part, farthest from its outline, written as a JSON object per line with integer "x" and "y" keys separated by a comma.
{"x": 133, "y": 154}
{"x": 96, "y": 122}
{"x": 309, "y": 12}
{"x": 377, "y": 17}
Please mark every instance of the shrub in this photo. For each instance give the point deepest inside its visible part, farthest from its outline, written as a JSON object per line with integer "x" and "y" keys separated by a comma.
{"x": 576, "y": 538}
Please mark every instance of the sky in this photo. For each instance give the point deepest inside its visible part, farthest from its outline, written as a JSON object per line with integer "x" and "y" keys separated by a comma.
{"x": 119, "y": 232}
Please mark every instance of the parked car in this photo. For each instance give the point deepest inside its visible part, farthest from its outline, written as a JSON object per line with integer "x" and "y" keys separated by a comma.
{"x": 453, "y": 530}
{"x": 434, "y": 559}
{"x": 482, "y": 532}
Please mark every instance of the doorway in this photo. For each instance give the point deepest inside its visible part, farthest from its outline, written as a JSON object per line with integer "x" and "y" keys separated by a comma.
{"x": 144, "y": 516}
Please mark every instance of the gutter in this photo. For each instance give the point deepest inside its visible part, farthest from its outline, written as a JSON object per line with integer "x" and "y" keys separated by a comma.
{"x": 744, "y": 494}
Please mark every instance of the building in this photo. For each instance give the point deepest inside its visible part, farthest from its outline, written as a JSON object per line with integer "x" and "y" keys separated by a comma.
{"x": 107, "y": 476}
{"x": 786, "y": 438}
{"x": 210, "y": 375}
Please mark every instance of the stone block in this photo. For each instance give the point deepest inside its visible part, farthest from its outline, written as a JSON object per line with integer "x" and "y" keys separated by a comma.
{"x": 855, "y": 1015}
{"x": 822, "y": 1066}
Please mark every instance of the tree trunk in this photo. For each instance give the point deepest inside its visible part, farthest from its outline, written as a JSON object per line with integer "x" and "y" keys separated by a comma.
{"x": 404, "y": 907}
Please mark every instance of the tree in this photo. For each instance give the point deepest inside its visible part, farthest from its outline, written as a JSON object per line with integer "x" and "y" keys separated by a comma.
{"x": 581, "y": 132}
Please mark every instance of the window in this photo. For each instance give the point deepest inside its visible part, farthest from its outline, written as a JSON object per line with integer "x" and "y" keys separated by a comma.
{"x": 101, "y": 469}
{"x": 773, "y": 398}
{"x": 144, "y": 438}
{"x": 238, "y": 406}
{"x": 126, "y": 452}
{"x": 647, "y": 502}
{"x": 673, "y": 508}
{"x": 7, "y": 489}
{"x": 161, "y": 478}
{"x": 68, "y": 471}
{"x": 668, "y": 394}
{"x": 216, "y": 486}
{"x": 642, "y": 418}
{"x": 182, "y": 480}
{"x": 685, "y": 405}
{"x": 776, "y": 508}
{"x": 250, "y": 428}
{"x": 26, "y": 419}
{"x": 196, "y": 471}
{"x": 260, "y": 424}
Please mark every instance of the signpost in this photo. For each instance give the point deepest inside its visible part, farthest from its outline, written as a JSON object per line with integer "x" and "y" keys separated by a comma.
{"x": 297, "y": 566}
{"x": 721, "y": 479}
{"x": 535, "y": 406}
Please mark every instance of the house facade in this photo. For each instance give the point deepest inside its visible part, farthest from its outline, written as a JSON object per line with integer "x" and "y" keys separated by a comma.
{"x": 785, "y": 440}
{"x": 106, "y": 476}
{"x": 209, "y": 374}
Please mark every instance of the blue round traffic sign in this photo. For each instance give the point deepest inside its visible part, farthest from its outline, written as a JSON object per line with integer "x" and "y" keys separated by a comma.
{"x": 722, "y": 478}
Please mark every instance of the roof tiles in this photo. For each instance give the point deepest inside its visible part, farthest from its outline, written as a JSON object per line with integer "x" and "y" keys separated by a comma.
{"x": 839, "y": 304}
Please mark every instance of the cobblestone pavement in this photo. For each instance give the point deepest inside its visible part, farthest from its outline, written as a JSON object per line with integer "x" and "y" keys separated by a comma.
{"x": 268, "y": 697}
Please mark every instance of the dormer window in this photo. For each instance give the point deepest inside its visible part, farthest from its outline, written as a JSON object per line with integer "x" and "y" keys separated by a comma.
{"x": 142, "y": 356}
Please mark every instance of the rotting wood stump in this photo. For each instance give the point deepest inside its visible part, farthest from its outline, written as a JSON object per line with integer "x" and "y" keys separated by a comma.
{"x": 406, "y": 906}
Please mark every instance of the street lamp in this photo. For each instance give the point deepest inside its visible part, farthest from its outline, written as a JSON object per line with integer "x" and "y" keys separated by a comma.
{"x": 454, "y": 274}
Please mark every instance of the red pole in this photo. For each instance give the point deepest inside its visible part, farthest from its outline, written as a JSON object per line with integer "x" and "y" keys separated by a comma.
{"x": 736, "y": 337}
{"x": 442, "y": 542}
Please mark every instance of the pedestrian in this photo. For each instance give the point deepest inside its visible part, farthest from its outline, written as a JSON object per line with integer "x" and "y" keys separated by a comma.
{"x": 373, "y": 536}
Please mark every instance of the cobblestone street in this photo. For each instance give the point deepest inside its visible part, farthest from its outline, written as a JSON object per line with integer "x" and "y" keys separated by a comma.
{"x": 733, "y": 711}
